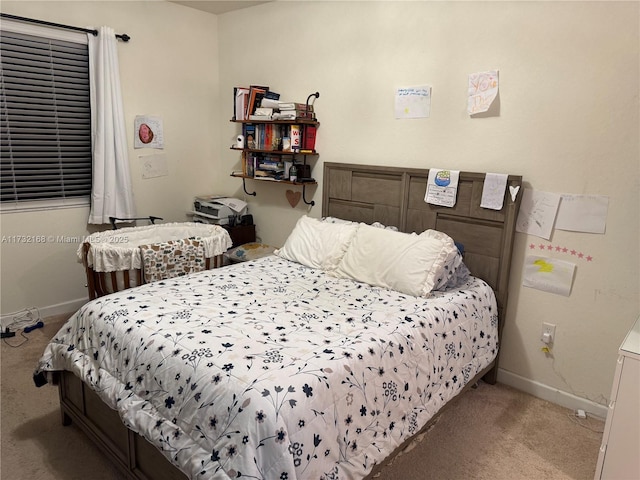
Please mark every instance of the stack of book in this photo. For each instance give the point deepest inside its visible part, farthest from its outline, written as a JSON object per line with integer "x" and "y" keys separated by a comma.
{"x": 258, "y": 103}
{"x": 294, "y": 111}
{"x": 263, "y": 166}
{"x": 246, "y": 100}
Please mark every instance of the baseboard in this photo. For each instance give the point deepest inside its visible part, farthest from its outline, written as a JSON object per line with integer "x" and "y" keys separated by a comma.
{"x": 550, "y": 394}
{"x": 65, "y": 307}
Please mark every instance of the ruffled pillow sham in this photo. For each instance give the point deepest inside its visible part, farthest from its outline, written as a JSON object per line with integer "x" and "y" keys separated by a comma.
{"x": 407, "y": 263}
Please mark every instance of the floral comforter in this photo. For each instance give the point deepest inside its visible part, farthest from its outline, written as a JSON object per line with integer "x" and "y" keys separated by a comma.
{"x": 271, "y": 370}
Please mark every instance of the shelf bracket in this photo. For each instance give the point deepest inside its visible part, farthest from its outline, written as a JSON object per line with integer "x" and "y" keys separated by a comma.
{"x": 244, "y": 187}
{"x": 312, "y": 203}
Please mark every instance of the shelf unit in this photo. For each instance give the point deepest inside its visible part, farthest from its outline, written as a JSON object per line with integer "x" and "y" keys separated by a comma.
{"x": 281, "y": 153}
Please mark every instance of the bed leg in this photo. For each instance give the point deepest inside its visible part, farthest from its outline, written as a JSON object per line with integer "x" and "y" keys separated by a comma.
{"x": 66, "y": 419}
{"x": 491, "y": 376}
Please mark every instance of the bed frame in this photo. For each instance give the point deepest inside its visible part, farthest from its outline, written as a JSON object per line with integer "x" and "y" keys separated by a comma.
{"x": 364, "y": 193}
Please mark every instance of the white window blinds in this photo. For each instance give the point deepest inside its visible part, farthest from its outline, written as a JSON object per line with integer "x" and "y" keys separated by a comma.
{"x": 45, "y": 119}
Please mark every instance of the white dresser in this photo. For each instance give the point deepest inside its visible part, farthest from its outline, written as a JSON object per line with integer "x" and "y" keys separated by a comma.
{"x": 619, "y": 457}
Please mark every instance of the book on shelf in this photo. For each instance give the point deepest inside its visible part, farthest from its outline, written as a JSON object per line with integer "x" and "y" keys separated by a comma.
{"x": 296, "y": 106}
{"x": 270, "y": 165}
{"x": 267, "y": 175}
{"x": 270, "y": 103}
{"x": 249, "y": 132}
{"x": 267, "y": 144}
{"x": 260, "y": 118}
{"x": 293, "y": 115}
{"x": 256, "y": 93}
{"x": 240, "y": 98}
{"x": 295, "y": 134}
{"x": 309, "y": 137}
{"x": 248, "y": 164}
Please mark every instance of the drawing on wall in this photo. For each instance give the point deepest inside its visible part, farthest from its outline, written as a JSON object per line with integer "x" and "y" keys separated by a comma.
{"x": 537, "y": 213}
{"x": 442, "y": 187}
{"x": 148, "y": 132}
{"x": 548, "y": 274}
{"x": 154, "y": 165}
{"x": 413, "y": 102}
{"x": 583, "y": 213}
{"x": 483, "y": 90}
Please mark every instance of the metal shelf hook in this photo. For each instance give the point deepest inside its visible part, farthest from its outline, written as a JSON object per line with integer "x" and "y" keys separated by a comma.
{"x": 312, "y": 203}
{"x": 244, "y": 187}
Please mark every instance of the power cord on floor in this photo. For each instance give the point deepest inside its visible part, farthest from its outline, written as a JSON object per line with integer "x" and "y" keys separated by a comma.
{"x": 580, "y": 417}
{"x": 27, "y": 319}
{"x": 26, "y": 339}
{"x": 584, "y": 422}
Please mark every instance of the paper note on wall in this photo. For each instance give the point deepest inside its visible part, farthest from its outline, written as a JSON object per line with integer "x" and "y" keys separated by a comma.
{"x": 495, "y": 186}
{"x": 413, "y": 102}
{"x": 148, "y": 132}
{"x": 583, "y": 213}
{"x": 548, "y": 274}
{"x": 154, "y": 165}
{"x": 537, "y": 213}
{"x": 483, "y": 90}
{"x": 442, "y": 187}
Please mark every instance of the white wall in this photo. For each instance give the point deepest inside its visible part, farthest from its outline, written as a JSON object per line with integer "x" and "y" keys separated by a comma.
{"x": 169, "y": 68}
{"x": 568, "y": 123}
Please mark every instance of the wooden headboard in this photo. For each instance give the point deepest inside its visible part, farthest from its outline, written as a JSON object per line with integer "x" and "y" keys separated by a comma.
{"x": 395, "y": 196}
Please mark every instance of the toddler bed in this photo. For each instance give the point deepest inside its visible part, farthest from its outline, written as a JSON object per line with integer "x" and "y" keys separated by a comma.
{"x": 303, "y": 364}
{"x": 114, "y": 259}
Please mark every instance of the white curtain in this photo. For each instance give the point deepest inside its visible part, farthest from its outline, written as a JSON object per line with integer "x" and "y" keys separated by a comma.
{"x": 111, "y": 193}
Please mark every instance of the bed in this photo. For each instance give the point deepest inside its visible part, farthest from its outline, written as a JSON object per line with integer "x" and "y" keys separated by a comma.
{"x": 279, "y": 369}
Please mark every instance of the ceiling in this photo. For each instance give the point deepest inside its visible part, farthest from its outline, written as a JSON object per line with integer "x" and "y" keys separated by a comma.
{"x": 219, "y": 6}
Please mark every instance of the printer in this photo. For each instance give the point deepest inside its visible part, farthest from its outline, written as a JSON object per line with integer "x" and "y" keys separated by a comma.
{"x": 217, "y": 210}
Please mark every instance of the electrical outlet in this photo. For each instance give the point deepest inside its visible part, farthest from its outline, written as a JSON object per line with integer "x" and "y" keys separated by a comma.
{"x": 548, "y": 333}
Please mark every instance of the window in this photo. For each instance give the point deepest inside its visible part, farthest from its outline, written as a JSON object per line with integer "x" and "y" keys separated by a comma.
{"x": 45, "y": 119}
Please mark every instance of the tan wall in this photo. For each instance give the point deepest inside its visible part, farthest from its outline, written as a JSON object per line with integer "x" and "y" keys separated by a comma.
{"x": 568, "y": 123}
{"x": 168, "y": 69}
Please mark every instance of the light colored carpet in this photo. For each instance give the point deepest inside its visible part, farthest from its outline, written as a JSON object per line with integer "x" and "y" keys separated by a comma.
{"x": 493, "y": 432}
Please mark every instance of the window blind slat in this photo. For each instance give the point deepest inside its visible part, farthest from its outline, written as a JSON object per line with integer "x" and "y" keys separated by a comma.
{"x": 45, "y": 119}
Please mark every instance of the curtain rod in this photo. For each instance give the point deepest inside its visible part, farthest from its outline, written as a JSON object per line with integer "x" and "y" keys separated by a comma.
{"x": 124, "y": 37}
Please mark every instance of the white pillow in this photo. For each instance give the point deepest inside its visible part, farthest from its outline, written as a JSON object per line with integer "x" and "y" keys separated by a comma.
{"x": 374, "y": 224}
{"x": 449, "y": 265}
{"x": 407, "y": 263}
{"x": 317, "y": 244}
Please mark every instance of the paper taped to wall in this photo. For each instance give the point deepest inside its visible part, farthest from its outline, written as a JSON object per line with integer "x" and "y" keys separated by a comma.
{"x": 413, "y": 102}
{"x": 548, "y": 274}
{"x": 583, "y": 213}
{"x": 154, "y": 165}
{"x": 483, "y": 90}
{"x": 537, "y": 213}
